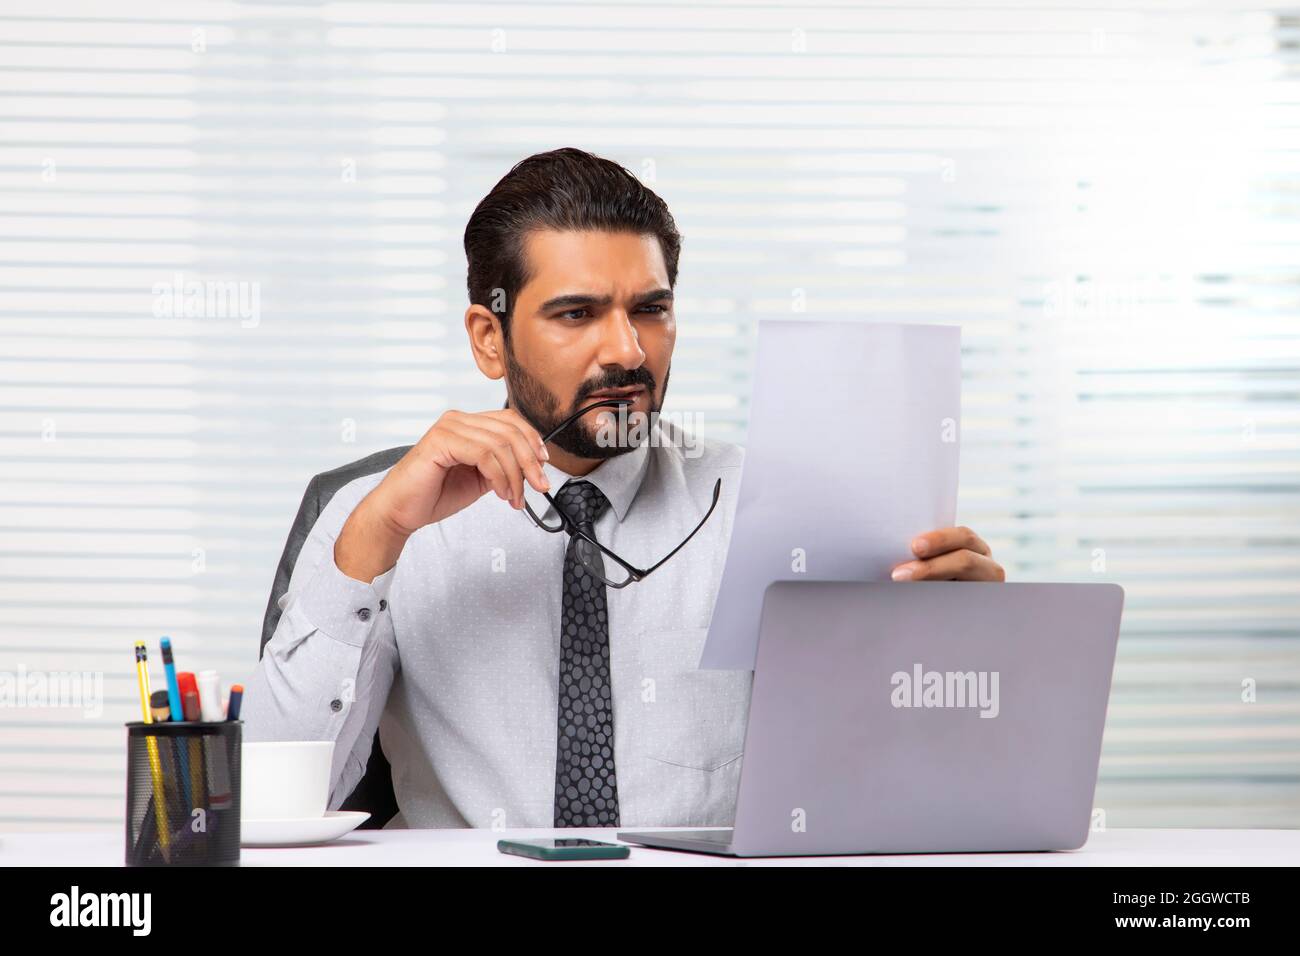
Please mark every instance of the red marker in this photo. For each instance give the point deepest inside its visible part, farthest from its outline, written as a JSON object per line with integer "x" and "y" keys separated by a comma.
{"x": 189, "y": 687}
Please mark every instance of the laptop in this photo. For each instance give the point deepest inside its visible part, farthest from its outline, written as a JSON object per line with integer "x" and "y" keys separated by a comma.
{"x": 939, "y": 717}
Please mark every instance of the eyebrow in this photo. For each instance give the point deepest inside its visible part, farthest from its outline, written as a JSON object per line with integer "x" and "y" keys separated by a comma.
{"x": 580, "y": 300}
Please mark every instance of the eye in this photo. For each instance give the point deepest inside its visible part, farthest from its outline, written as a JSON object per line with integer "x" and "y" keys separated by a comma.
{"x": 574, "y": 314}
{"x": 655, "y": 309}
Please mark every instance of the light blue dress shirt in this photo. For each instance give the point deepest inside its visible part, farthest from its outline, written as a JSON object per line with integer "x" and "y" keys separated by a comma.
{"x": 454, "y": 653}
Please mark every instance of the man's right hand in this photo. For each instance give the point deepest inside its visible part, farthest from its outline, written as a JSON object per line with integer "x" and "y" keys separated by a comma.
{"x": 462, "y": 457}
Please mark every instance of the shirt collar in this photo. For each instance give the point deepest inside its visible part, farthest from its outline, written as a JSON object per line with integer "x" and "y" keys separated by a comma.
{"x": 618, "y": 478}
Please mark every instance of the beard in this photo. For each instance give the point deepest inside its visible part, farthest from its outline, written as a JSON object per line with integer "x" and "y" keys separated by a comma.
{"x": 541, "y": 409}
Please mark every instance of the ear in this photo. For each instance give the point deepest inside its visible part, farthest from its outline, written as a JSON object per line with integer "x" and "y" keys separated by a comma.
{"x": 486, "y": 341}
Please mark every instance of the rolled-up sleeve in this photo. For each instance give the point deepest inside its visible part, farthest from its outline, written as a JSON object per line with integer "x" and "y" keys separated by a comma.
{"x": 326, "y": 672}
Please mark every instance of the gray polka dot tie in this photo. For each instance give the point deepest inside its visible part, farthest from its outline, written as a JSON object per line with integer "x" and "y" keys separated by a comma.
{"x": 586, "y": 792}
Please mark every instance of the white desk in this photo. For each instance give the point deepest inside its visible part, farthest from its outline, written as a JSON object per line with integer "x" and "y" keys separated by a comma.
{"x": 478, "y": 848}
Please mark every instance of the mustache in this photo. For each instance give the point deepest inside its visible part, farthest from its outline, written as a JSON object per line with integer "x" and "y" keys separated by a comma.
{"x": 615, "y": 378}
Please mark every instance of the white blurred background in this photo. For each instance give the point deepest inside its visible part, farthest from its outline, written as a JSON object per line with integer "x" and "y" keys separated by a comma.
{"x": 1107, "y": 200}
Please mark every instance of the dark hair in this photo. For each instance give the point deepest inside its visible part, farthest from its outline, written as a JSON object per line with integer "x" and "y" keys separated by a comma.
{"x": 565, "y": 189}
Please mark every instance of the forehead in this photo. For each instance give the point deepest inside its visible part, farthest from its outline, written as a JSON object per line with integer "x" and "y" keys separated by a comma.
{"x": 592, "y": 262}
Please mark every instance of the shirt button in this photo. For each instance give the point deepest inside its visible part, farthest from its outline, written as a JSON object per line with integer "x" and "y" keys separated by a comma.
{"x": 336, "y": 705}
{"x": 383, "y": 605}
{"x": 364, "y": 613}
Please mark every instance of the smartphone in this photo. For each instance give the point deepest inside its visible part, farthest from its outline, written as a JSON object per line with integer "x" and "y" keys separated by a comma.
{"x": 572, "y": 848}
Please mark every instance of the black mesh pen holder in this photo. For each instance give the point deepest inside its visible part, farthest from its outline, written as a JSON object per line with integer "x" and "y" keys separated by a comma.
{"x": 182, "y": 793}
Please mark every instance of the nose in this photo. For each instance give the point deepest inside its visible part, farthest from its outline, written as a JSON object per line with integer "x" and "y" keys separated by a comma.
{"x": 619, "y": 344}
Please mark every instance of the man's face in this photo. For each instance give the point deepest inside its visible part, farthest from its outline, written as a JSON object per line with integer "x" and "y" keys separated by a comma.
{"x": 594, "y": 321}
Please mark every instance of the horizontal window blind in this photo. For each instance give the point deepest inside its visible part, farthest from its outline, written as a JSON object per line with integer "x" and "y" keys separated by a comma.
{"x": 1103, "y": 197}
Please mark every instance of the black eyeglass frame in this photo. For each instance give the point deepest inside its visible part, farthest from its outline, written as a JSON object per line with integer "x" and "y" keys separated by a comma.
{"x": 566, "y": 524}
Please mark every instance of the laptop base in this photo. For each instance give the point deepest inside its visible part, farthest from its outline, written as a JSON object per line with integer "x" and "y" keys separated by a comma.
{"x": 716, "y": 842}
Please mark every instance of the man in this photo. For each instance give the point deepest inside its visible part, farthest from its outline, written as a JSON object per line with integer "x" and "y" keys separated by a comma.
{"x": 511, "y": 684}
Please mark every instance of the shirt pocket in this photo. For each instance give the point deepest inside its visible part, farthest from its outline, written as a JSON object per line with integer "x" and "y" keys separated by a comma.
{"x": 685, "y": 717}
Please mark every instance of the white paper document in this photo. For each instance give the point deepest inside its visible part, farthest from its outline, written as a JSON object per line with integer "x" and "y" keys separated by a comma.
{"x": 852, "y": 452}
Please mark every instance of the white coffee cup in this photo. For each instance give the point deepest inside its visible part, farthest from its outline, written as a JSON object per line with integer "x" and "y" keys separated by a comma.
{"x": 285, "y": 779}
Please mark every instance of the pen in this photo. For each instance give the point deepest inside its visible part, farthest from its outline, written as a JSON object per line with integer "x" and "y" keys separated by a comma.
{"x": 236, "y": 699}
{"x": 155, "y": 765}
{"x": 178, "y": 713}
{"x": 169, "y": 669}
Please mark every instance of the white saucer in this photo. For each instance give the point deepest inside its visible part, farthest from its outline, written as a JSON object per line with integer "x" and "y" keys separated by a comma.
{"x": 311, "y": 831}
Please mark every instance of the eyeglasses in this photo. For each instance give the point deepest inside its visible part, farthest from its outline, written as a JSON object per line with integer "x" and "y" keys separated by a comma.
{"x": 588, "y": 548}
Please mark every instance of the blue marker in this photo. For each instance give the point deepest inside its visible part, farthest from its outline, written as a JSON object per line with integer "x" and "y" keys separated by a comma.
{"x": 178, "y": 712}
{"x": 173, "y": 688}
{"x": 236, "y": 698}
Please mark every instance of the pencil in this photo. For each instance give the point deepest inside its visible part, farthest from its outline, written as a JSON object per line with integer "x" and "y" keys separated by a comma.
{"x": 155, "y": 764}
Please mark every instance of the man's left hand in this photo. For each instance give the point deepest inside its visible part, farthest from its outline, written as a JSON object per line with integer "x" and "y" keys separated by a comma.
{"x": 950, "y": 554}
